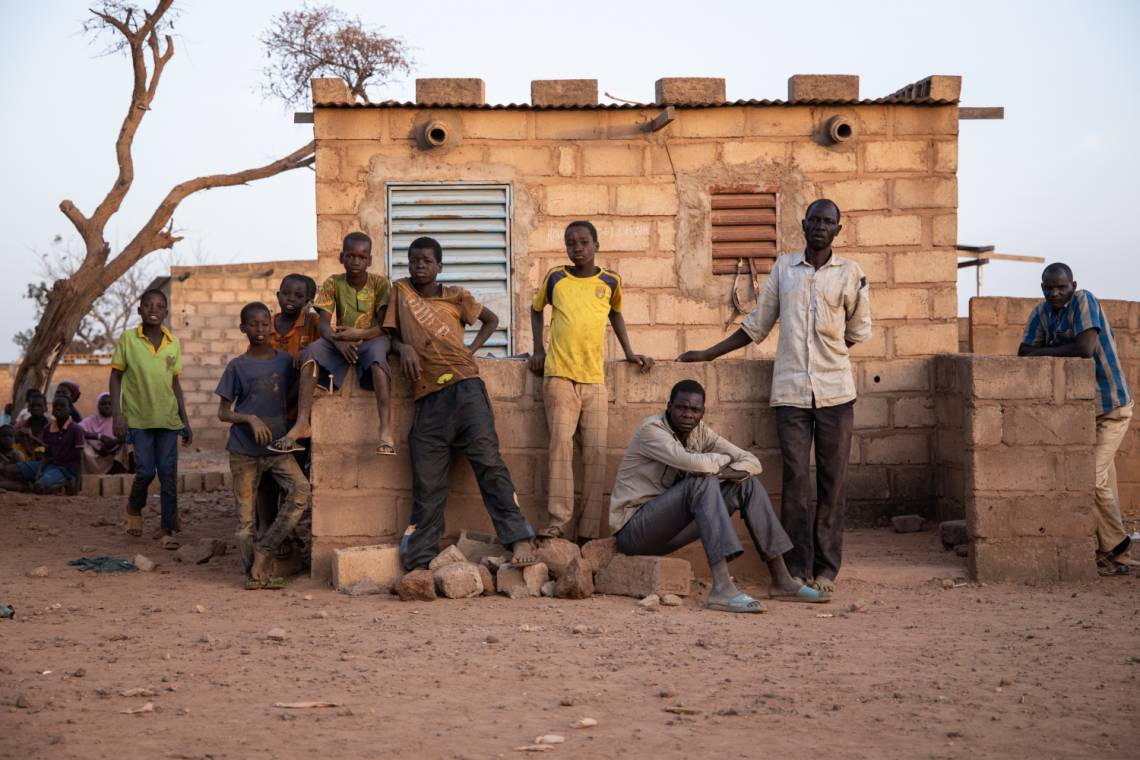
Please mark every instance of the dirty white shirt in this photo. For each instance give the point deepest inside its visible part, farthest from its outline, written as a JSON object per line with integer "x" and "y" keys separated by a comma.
{"x": 656, "y": 456}
{"x": 819, "y": 311}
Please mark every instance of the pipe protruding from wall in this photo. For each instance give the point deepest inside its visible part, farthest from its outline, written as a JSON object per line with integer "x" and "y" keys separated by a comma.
{"x": 839, "y": 129}
{"x": 436, "y": 133}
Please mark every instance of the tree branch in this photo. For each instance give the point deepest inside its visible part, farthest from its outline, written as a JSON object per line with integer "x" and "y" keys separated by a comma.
{"x": 153, "y": 236}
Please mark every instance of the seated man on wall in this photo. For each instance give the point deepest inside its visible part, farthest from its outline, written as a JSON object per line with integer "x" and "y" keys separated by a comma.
{"x": 680, "y": 481}
{"x": 1070, "y": 322}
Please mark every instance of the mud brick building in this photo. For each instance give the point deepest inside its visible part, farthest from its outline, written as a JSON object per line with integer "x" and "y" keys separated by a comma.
{"x": 693, "y": 196}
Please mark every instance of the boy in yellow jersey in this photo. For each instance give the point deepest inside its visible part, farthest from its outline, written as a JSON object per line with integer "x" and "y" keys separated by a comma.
{"x": 583, "y": 298}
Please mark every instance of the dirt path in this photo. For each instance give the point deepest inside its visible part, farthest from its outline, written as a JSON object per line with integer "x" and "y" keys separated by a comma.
{"x": 924, "y": 671}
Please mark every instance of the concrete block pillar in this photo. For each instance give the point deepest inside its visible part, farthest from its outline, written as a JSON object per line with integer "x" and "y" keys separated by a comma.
{"x": 327, "y": 90}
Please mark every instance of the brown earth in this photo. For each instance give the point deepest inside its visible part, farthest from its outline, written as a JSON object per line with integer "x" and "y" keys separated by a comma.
{"x": 919, "y": 671}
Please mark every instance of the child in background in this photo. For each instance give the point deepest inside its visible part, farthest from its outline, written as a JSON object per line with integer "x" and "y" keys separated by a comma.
{"x": 71, "y": 389}
{"x": 583, "y": 298}
{"x": 62, "y": 465}
{"x": 30, "y": 431}
{"x": 255, "y": 390}
{"x": 149, "y": 411}
{"x": 105, "y": 454}
{"x": 9, "y": 454}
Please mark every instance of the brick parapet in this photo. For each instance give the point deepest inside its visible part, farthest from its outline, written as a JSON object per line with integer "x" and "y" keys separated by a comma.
{"x": 997, "y": 325}
{"x": 359, "y": 498}
{"x": 1014, "y": 456}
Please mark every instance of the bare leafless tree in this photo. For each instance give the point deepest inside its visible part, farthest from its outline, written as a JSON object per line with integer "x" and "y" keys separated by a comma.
{"x": 322, "y": 41}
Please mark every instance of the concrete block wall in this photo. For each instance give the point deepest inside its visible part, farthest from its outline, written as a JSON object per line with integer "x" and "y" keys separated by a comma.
{"x": 647, "y": 192}
{"x": 359, "y": 498}
{"x": 92, "y": 372}
{"x": 1015, "y": 455}
{"x": 997, "y": 325}
{"x": 205, "y": 302}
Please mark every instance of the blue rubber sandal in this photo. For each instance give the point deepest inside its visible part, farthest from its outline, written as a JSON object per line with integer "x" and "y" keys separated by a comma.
{"x": 740, "y": 603}
{"x": 805, "y": 594}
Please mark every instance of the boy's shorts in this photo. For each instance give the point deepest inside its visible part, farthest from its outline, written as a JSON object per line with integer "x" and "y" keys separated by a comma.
{"x": 45, "y": 475}
{"x": 332, "y": 364}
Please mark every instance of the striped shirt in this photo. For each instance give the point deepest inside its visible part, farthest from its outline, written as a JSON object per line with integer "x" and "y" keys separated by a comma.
{"x": 1055, "y": 328}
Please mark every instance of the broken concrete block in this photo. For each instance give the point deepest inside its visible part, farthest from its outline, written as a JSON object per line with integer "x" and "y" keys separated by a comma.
{"x": 518, "y": 582}
{"x": 488, "y": 581}
{"x": 200, "y": 552}
{"x": 641, "y": 576}
{"x": 416, "y": 586}
{"x": 576, "y": 581}
{"x": 458, "y": 580}
{"x": 907, "y": 523}
{"x": 477, "y": 547}
{"x": 650, "y": 603}
{"x": 448, "y": 556}
{"x": 953, "y": 533}
{"x": 557, "y": 554}
{"x": 379, "y": 563}
{"x": 599, "y": 552}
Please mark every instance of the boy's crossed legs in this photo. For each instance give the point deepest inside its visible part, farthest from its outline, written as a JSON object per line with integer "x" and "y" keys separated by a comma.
{"x": 256, "y": 554}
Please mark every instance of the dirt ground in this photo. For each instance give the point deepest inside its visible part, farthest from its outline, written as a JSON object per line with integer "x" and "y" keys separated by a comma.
{"x": 920, "y": 671}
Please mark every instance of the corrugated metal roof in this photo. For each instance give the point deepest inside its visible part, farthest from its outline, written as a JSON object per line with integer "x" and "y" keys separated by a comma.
{"x": 888, "y": 101}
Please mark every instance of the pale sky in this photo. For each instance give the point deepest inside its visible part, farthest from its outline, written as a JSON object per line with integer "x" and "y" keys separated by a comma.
{"x": 1041, "y": 182}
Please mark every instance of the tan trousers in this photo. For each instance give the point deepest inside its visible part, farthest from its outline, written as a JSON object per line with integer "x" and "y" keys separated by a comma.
{"x": 1110, "y": 430}
{"x": 576, "y": 412}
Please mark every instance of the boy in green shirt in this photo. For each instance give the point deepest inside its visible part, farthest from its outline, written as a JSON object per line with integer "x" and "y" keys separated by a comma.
{"x": 148, "y": 408}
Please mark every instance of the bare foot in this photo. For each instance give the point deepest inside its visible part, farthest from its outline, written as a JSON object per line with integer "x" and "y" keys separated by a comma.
{"x": 826, "y": 585}
{"x": 524, "y": 553}
{"x": 298, "y": 432}
{"x": 260, "y": 570}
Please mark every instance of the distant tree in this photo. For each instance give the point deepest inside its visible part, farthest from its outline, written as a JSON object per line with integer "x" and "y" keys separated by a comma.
{"x": 322, "y": 41}
{"x": 355, "y": 54}
{"x": 110, "y": 315}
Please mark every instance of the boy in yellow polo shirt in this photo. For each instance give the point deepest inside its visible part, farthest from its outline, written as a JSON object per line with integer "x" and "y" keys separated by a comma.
{"x": 583, "y": 298}
{"x": 148, "y": 408}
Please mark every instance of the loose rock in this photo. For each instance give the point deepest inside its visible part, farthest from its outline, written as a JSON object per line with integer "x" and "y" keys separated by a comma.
{"x": 477, "y": 547}
{"x": 276, "y": 634}
{"x": 448, "y": 556}
{"x": 548, "y": 588}
{"x": 458, "y": 580}
{"x": 953, "y": 533}
{"x": 416, "y": 586}
{"x": 143, "y": 563}
{"x": 38, "y": 572}
{"x": 557, "y": 553}
{"x": 962, "y": 550}
{"x": 671, "y": 600}
{"x": 518, "y": 583}
{"x": 549, "y": 739}
{"x": 650, "y": 603}
{"x": 584, "y": 723}
{"x": 488, "y": 581}
{"x": 907, "y": 523}
{"x": 365, "y": 587}
{"x": 599, "y": 552}
{"x": 576, "y": 582}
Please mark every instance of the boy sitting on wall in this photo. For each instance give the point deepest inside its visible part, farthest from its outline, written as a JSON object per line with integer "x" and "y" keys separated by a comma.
{"x": 453, "y": 411}
{"x": 357, "y": 299}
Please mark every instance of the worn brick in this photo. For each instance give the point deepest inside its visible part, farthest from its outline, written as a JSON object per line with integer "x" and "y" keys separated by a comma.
{"x": 347, "y": 124}
{"x": 944, "y": 230}
{"x": 925, "y": 193}
{"x": 613, "y": 160}
{"x": 744, "y": 381}
{"x": 913, "y": 412}
{"x": 868, "y": 482}
{"x": 946, "y": 156}
{"x": 654, "y": 387}
{"x": 752, "y": 151}
{"x": 823, "y": 87}
{"x": 354, "y": 512}
{"x": 450, "y": 90}
{"x": 689, "y": 90}
{"x": 874, "y": 266}
{"x": 378, "y": 563}
{"x": 460, "y": 580}
{"x": 924, "y": 266}
{"x": 1016, "y": 378}
{"x": 576, "y": 200}
{"x": 568, "y": 160}
{"x": 674, "y": 309}
{"x": 1080, "y": 470}
{"x": 1053, "y": 513}
{"x": 920, "y": 339}
{"x": 889, "y": 230}
{"x": 528, "y": 159}
{"x": 647, "y": 200}
{"x": 569, "y": 125}
{"x": 897, "y": 375}
{"x": 935, "y": 120}
{"x": 856, "y": 194}
{"x": 1033, "y": 424}
{"x": 896, "y": 156}
{"x": 872, "y": 412}
{"x": 815, "y": 158}
{"x": 710, "y": 122}
{"x": 1080, "y": 380}
{"x": 1017, "y": 560}
{"x": 561, "y": 92}
{"x": 494, "y": 125}
{"x": 896, "y": 448}
{"x": 983, "y": 425}
{"x": 641, "y": 576}
{"x": 1014, "y": 469}
{"x": 522, "y": 582}
{"x": 901, "y": 303}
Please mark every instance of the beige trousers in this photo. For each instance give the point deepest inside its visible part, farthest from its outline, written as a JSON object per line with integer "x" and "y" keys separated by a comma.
{"x": 1110, "y": 430}
{"x": 576, "y": 412}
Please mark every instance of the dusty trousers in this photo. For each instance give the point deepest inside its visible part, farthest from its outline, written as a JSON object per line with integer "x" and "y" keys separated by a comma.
{"x": 457, "y": 420}
{"x": 576, "y": 411}
{"x": 815, "y": 526}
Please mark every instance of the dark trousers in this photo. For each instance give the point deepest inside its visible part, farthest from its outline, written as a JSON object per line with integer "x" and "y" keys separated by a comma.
{"x": 815, "y": 527}
{"x": 457, "y": 420}
{"x": 156, "y": 452}
{"x": 701, "y": 506}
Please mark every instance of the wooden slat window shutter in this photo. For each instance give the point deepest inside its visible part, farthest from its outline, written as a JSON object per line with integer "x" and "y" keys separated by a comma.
{"x": 745, "y": 228}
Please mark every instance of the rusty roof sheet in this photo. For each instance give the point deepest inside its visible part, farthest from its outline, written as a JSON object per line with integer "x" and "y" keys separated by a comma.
{"x": 887, "y": 101}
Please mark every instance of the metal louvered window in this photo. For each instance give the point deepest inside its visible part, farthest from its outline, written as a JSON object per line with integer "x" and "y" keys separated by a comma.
{"x": 472, "y": 222}
{"x": 745, "y": 229}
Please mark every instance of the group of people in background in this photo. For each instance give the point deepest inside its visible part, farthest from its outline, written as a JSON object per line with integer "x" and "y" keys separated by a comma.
{"x": 679, "y": 481}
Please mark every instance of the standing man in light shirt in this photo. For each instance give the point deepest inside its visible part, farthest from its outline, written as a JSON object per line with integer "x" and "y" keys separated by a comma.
{"x": 822, "y": 303}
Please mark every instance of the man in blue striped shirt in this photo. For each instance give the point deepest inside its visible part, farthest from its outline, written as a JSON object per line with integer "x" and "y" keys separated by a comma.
{"x": 1070, "y": 322}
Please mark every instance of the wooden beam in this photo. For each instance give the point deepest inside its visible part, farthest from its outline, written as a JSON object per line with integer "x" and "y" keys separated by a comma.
{"x": 1011, "y": 257}
{"x": 973, "y": 263}
{"x": 987, "y": 112}
{"x": 302, "y": 117}
{"x": 974, "y": 248}
{"x": 662, "y": 119}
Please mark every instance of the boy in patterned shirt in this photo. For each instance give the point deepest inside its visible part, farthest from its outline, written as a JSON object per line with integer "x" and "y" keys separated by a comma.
{"x": 1070, "y": 322}
{"x": 358, "y": 299}
{"x": 583, "y": 298}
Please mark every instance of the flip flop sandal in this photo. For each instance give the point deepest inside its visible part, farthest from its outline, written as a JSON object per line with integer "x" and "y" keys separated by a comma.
{"x": 284, "y": 446}
{"x": 550, "y": 531}
{"x": 386, "y": 450}
{"x": 805, "y": 594}
{"x": 741, "y": 603}
{"x": 170, "y": 543}
{"x": 133, "y": 525}
{"x": 1108, "y": 568}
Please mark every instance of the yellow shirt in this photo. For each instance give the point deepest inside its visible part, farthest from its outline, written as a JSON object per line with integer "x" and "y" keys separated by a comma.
{"x": 582, "y": 307}
{"x": 148, "y": 399}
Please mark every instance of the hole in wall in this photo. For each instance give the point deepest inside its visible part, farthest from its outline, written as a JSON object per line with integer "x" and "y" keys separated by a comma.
{"x": 876, "y": 378}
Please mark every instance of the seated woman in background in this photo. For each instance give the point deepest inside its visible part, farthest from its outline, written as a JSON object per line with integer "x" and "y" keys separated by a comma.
{"x": 104, "y": 453}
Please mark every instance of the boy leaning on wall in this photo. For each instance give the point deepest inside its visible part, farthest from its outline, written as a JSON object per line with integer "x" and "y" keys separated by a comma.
{"x": 583, "y": 298}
